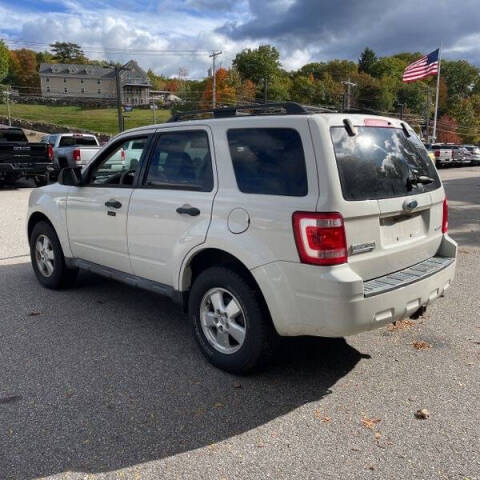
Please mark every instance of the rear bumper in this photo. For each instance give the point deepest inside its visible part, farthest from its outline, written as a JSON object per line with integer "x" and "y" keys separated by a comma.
{"x": 308, "y": 300}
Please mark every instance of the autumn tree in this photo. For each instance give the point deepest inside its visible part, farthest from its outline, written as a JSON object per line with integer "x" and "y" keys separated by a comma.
{"x": 447, "y": 130}
{"x": 224, "y": 91}
{"x": 23, "y": 71}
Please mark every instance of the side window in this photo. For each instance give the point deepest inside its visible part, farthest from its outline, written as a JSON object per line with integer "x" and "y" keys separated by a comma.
{"x": 182, "y": 161}
{"x": 268, "y": 161}
{"x": 119, "y": 166}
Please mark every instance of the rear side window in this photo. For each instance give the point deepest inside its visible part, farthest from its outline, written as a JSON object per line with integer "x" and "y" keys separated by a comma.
{"x": 268, "y": 161}
{"x": 381, "y": 163}
{"x": 181, "y": 161}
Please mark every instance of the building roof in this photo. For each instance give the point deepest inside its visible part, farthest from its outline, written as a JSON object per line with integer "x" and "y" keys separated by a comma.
{"x": 65, "y": 69}
{"x": 131, "y": 72}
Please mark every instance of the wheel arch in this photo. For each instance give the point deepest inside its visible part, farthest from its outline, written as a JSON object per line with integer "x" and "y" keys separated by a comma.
{"x": 35, "y": 218}
{"x": 214, "y": 257}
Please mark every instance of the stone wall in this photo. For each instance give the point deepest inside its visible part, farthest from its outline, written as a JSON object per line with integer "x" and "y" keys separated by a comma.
{"x": 50, "y": 127}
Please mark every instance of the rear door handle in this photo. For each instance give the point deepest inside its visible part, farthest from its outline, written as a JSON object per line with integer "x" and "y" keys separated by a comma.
{"x": 188, "y": 210}
{"x": 113, "y": 204}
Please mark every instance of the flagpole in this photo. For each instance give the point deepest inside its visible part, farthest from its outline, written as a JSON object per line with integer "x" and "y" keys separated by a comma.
{"x": 436, "y": 96}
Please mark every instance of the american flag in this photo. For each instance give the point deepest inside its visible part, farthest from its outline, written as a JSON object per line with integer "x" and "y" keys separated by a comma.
{"x": 424, "y": 67}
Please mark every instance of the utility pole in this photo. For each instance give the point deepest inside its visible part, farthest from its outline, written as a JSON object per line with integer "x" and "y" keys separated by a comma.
{"x": 427, "y": 115}
{"x": 154, "y": 108}
{"x": 213, "y": 56}
{"x": 348, "y": 84}
{"x": 119, "y": 99}
{"x": 402, "y": 110}
{"x": 7, "y": 101}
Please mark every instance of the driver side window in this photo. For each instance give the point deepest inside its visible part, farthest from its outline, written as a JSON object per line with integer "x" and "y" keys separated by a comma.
{"x": 120, "y": 166}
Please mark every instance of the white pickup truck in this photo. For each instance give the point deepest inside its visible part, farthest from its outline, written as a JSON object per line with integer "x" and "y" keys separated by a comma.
{"x": 72, "y": 149}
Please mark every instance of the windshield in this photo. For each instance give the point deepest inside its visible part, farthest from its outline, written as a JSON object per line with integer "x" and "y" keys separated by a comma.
{"x": 382, "y": 163}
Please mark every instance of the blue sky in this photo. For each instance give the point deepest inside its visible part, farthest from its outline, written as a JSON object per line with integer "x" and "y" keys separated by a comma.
{"x": 303, "y": 30}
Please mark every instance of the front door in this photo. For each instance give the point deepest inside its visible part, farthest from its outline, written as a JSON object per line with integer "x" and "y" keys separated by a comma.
{"x": 97, "y": 211}
{"x": 170, "y": 210}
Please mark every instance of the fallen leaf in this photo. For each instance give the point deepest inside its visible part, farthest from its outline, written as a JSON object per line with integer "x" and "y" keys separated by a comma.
{"x": 378, "y": 435}
{"x": 401, "y": 325}
{"x": 237, "y": 385}
{"x": 421, "y": 345}
{"x": 422, "y": 414}
{"x": 370, "y": 422}
{"x": 218, "y": 405}
{"x": 321, "y": 416}
{"x": 371, "y": 467}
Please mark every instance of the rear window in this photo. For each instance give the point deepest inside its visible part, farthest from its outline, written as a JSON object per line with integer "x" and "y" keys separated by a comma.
{"x": 268, "y": 161}
{"x": 77, "y": 141}
{"x": 13, "y": 135}
{"x": 381, "y": 163}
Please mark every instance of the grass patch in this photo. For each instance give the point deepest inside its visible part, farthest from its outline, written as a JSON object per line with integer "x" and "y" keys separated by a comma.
{"x": 98, "y": 120}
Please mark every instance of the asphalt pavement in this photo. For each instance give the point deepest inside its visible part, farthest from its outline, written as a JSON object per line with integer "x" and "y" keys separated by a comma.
{"x": 104, "y": 381}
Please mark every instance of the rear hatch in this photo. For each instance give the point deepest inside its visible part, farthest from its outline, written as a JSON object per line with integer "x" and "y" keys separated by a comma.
{"x": 393, "y": 197}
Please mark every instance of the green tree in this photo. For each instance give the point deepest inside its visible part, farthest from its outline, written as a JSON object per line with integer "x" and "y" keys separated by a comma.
{"x": 388, "y": 66}
{"x": 463, "y": 112}
{"x": 367, "y": 60}
{"x": 317, "y": 69}
{"x": 303, "y": 89}
{"x": 258, "y": 65}
{"x": 413, "y": 96}
{"x": 4, "y": 59}
{"x": 461, "y": 77}
{"x": 67, "y": 52}
{"x": 341, "y": 70}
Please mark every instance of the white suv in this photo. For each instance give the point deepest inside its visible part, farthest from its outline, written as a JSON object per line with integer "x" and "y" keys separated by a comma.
{"x": 283, "y": 221}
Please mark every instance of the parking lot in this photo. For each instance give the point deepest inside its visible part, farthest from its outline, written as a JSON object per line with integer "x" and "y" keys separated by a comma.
{"x": 105, "y": 381}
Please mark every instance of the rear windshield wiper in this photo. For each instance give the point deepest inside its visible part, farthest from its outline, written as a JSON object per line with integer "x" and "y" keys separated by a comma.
{"x": 423, "y": 179}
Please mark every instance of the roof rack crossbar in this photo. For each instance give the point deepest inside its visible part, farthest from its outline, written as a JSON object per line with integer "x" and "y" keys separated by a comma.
{"x": 282, "y": 108}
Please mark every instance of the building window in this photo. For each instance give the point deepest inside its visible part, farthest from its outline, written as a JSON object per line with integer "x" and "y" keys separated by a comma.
{"x": 48, "y": 89}
{"x": 64, "y": 80}
{"x": 48, "y": 79}
{"x": 83, "y": 90}
{"x": 99, "y": 82}
{"x": 65, "y": 90}
{"x": 81, "y": 80}
{"x": 99, "y": 91}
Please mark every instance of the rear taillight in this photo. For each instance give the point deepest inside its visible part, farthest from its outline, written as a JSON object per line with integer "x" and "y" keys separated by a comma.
{"x": 76, "y": 155}
{"x": 50, "y": 153}
{"x": 122, "y": 156}
{"x": 437, "y": 153}
{"x": 451, "y": 153}
{"x": 320, "y": 238}
{"x": 445, "y": 216}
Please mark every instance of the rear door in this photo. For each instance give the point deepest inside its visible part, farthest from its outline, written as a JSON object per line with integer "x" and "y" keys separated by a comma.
{"x": 393, "y": 199}
{"x": 171, "y": 207}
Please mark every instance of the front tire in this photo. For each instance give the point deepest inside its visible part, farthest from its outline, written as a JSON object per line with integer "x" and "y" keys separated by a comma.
{"x": 230, "y": 322}
{"x": 47, "y": 257}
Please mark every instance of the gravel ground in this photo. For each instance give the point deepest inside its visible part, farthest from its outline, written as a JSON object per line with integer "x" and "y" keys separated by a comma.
{"x": 105, "y": 381}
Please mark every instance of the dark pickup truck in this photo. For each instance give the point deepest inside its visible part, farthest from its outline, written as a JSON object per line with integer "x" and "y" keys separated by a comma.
{"x": 19, "y": 158}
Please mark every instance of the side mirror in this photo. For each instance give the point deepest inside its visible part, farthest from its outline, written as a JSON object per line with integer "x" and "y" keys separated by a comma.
{"x": 70, "y": 176}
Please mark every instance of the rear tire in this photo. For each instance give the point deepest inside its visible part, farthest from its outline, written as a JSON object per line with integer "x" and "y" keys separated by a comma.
{"x": 230, "y": 322}
{"x": 47, "y": 258}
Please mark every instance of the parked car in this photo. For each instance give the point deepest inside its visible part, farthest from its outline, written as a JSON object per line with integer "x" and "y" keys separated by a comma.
{"x": 128, "y": 157}
{"x": 72, "y": 149}
{"x": 259, "y": 222}
{"x": 461, "y": 156}
{"x": 443, "y": 153}
{"x": 475, "y": 153}
{"x": 20, "y": 158}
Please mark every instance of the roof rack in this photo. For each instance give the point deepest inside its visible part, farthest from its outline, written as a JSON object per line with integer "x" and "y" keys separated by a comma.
{"x": 280, "y": 108}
